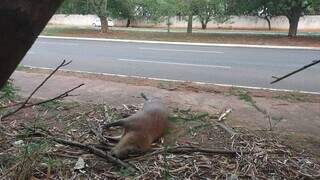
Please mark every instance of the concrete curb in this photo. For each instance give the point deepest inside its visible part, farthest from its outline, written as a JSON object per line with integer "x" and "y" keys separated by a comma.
{"x": 181, "y": 81}
{"x": 183, "y": 43}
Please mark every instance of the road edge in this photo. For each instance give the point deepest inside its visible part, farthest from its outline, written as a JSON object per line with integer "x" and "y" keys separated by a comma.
{"x": 182, "y": 43}
{"x": 179, "y": 81}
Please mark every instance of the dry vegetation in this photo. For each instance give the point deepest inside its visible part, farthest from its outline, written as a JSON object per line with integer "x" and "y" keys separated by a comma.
{"x": 197, "y": 146}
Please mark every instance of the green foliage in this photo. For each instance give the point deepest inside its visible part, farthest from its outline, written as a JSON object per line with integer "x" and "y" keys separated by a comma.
{"x": 75, "y": 7}
{"x": 30, "y": 154}
{"x": 98, "y": 7}
{"x": 51, "y": 104}
{"x": 8, "y": 91}
{"x": 292, "y": 9}
{"x": 125, "y": 173}
{"x": 242, "y": 94}
{"x": 293, "y": 97}
{"x": 124, "y": 9}
{"x": 208, "y": 10}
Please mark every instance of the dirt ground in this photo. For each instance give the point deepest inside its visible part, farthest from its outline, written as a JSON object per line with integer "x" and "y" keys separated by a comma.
{"x": 276, "y": 133}
{"x": 281, "y": 40}
{"x": 293, "y": 115}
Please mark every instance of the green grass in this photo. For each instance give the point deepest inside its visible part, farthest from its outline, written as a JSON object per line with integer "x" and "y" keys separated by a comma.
{"x": 242, "y": 95}
{"x": 51, "y": 104}
{"x": 292, "y": 97}
{"x": 9, "y": 91}
{"x": 126, "y": 173}
{"x": 53, "y": 31}
{"x": 245, "y": 96}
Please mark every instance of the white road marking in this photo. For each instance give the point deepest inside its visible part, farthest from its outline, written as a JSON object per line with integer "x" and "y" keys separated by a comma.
{"x": 173, "y": 80}
{"x": 180, "y": 50}
{"x": 173, "y": 63}
{"x": 58, "y": 43}
{"x": 182, "y": 43}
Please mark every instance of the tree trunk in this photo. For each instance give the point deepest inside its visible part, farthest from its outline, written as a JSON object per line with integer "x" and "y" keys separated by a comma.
{"x": 168, "y": 24}
{"x": 190, "y": 19}
{"x": 293, "y": 29}
{"x": 128, "y": 22}
{"x": 269, "y": 23}
{"x": 104, "y": 24}
{"x": 21, "y": 21}
{"x": 203, "y": 25}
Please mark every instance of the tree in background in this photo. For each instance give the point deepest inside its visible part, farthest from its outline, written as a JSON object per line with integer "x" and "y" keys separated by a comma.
{"x": 208, "y": 10}
{"x": 314, "y": 9}
{"x": 124, "y": 9}
{"x": 153, "y": 10}
{"x": 260, "y": 8}
{"x": 169, "y": 8}
{"x": 97, "y": 7}
{"x": 292, "y": 9}
{"x": 75, "y": 7}
{"x": 189, "y": 11}
{"x": 265, "y": 14}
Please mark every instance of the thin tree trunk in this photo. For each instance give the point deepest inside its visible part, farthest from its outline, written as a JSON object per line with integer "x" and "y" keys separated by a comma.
{"x": 269, "y": 23}
{"x": 203, "y": 25}
{"x": 190, "y": 19}
{"x": 168, "y": 24}
{"x": 294, "y": 22}
{"x": 104, "y": 24}
{"x": 21, "y": 21}
{"x": 128, "y": 22}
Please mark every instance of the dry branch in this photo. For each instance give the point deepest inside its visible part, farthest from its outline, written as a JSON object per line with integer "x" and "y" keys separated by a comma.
{"x": 95, "y": 151}
{"x": 294, "y": 72}
{"x": 63, "y": 95}
{"x": 98, "y": 134}
{"x": 86, "y": 147}
{"x": 226, "y": 128}
{"x": 190, "y": 149}
{"x": 225, "y": 114}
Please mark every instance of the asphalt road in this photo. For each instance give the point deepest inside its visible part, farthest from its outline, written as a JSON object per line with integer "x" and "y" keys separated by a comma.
{"x": 241, "y": 66}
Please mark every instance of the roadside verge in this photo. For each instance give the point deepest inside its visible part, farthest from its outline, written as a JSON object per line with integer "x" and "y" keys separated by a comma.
{"x": 180, "y": 43}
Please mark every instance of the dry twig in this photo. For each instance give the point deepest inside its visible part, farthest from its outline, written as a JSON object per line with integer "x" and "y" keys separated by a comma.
{"x": 86, "y": 147}
{"x": 63, "y": 95}
{"x": 225, "y": 114}
{"x": 294, "y": 72}
{"x": 98, "y": 134}
{"x": 189, "y": 149}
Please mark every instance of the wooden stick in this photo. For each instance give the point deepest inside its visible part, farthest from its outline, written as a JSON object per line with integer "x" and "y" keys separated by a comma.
{"x": 294, "y": 72}
{"x": 98, "y": 134}
{"x": 225, "y": 114}
{"x": 24, "y": 104}
{"x": 189, "y": 149}
{"x": 226, "y": 128}
{"x": 91, "y": 149}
